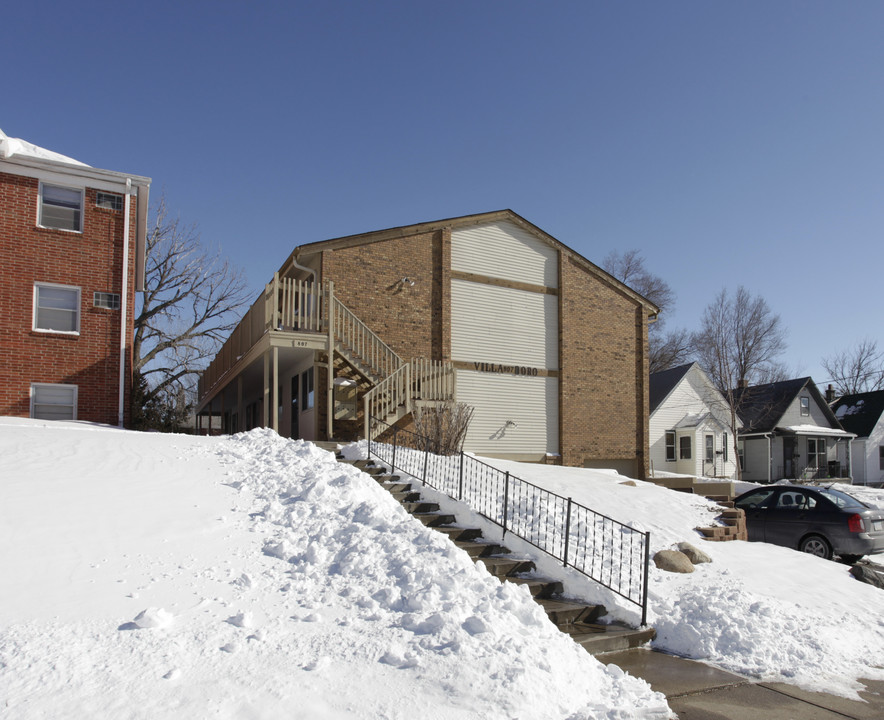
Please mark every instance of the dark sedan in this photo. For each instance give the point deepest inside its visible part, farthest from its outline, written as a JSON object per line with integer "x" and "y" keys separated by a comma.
{"x": 819, "y": 521}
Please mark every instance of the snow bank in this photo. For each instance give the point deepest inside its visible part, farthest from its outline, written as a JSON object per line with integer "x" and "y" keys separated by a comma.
{"x": 154, "y": 576}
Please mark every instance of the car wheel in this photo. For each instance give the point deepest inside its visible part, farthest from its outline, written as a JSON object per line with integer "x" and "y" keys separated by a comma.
{"x": 816, "y": 545}
{"x": 851, "y": 559}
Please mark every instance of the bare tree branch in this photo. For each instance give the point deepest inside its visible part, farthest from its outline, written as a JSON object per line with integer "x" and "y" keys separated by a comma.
{"x": 191, "y": 302}
{"x": 858, "y": 369}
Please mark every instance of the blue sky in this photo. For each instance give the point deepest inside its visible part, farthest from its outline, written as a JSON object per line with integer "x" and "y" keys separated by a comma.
{"x": 731, "y": 143}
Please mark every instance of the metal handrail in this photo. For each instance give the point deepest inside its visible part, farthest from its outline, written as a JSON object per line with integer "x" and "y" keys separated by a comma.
{"x": 606, "y": 550}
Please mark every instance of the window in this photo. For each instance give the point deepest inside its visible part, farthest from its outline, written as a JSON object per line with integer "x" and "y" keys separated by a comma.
{"x": 106, "y": 300}
{"x": 710, "y": 448}
{"x": 61, "y": 208}
{"x": 816, "y": 452}
{"x": 724, "y": 446}
{"x": 805, "y": 406}
{"x": 741, "y": 454}
{"x": 881, "y": 457}
{"x": 307, "y": 389}
{"x": 56, "y": 308}
{"x": 109, "y": 201}
{"x": 684, "y": 447}
{"x": 670, "y": 447}
{"x": 53, "y": 402}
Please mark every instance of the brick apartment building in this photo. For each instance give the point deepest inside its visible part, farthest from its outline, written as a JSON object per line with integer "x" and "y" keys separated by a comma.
{"x": 550, "y": 350}
{"x": 72, "y": 241}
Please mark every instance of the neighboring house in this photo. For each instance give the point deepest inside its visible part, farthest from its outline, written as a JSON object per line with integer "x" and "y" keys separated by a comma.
{"x": 72, "y": 241}
{"x": 789, "y": 432}
{"x": 549, "y": 349}
{"x": 863, "y": 415}
{"x": 690, "y": 425}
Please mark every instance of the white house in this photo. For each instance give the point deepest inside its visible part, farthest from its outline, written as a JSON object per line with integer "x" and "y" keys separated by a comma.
{"x": 863, "y": 414}
{"x": 790, "y": 433}
{"x": 690, "y": 424}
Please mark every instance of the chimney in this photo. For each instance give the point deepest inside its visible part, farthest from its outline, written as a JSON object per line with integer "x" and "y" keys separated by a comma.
{"x": 830, "y": 394}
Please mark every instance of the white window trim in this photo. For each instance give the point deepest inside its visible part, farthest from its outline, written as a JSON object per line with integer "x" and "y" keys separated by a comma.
{"x": 55, "y": 385}
{"x": 50, "y": 330}
{"x": 78, "y": 231}
{"x": 666, "y": 435}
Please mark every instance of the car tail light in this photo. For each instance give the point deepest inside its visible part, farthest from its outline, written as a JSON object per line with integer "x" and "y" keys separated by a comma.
{"x": 855, "y": 524}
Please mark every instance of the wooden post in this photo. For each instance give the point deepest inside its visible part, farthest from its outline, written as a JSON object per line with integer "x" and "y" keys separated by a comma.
{"x": 266, "y": 398}
{"x": 330, "y": 376}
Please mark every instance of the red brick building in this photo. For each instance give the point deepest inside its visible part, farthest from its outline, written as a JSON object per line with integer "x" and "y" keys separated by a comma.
{"x": 72, "y": 241}
{"x": 488, "y": 309}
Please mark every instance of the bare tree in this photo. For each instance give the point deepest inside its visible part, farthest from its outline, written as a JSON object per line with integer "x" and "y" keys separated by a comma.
{"x": 190, "y": 304}
{"x": 665, "y": 349}
{"x": 858, "y": 369}
{"x": 444, "y": 424}
{"x": 738, "y": 344}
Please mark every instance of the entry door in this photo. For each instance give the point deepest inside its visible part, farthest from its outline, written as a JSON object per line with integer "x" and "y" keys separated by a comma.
{"x": 789, "y": 448}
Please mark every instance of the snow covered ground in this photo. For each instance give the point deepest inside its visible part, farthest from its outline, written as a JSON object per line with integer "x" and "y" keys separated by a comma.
{"x": 168, "y": 576}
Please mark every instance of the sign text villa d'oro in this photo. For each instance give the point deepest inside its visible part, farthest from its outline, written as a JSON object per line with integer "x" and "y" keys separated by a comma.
{"x": 506, "y": 369}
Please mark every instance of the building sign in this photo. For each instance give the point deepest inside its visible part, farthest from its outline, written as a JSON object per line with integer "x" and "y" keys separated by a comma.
{"x": 506, "y": 369}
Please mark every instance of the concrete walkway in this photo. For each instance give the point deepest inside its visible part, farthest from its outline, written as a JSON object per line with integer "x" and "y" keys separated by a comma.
{"x": 699, "y": 692}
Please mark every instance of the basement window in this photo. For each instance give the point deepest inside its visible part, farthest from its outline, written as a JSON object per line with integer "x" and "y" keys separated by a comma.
{"x": 53, "y": 402}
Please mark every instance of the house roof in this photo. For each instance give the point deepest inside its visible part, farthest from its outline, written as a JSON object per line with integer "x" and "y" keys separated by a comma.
{"x": 761, "y": 407}
{"x": 660, "y": 384}
{"x": 460, "y": 222}
{"x": 10, "y": 146}
{"x": 859, "y": 413}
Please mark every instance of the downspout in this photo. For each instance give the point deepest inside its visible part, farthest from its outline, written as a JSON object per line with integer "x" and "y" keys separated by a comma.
{"x": 124, "y": 306}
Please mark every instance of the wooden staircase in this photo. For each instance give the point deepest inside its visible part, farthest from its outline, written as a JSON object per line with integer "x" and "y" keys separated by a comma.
{"x": 573, "y": 617}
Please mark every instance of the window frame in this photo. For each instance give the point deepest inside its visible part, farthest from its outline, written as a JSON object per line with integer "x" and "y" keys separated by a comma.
{"x": 724, "y": 446}
{"x": 33, "y": 399}
{"x": 684, "y": 450}
{"x": 80, "y": 211}
{"x": 36, "y": 311}
{"x": 709, "y": 447}
{"x": 805, "y": 406}
{"x": 670, "y": 447}
{"x": 881, "y": 457}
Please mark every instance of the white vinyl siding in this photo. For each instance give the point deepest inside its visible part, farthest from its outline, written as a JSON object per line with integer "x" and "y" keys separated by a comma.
{"x": 505, "y": 251}
{"x": 53, "y": 402}
{"x": 502, "y": 325}
{"x": 532, "y": 403}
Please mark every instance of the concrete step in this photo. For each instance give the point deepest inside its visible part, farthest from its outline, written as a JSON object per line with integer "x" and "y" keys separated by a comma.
{"x": 564, "y": 612}
{"x": 406, "y": 496}
{"x": 597, "y": 638}
{"x": 421, "y": 507}
{"x": 503, "y": 566}
{"x": 460, "y": 533}
{"x": 435, "y": 519}
{"x": 478, "y": 549}
{"x": 539, "y": 587}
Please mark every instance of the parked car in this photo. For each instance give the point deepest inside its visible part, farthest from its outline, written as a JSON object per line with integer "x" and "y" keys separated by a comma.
{"x": 819, "y": 521}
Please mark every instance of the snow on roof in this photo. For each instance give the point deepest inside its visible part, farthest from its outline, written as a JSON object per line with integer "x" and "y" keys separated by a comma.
{"x": 816, "y": 430}
{"x": 10, "y": 146}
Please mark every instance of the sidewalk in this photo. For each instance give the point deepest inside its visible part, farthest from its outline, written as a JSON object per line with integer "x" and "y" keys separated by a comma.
{"x": 699, "y": 692}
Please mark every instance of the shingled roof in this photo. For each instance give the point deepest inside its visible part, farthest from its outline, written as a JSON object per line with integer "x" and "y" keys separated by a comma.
{"x": 660, "y": 384}
{"x": 762, "y": 406}
{"x": 859, "y": 413}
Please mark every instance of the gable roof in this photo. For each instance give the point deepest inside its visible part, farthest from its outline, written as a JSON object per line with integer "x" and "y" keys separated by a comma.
{"x": 10, "y": 146}
{"x": 859, "y": 413}
{"x": 661, "y": 384}
{"x": 461, "y": 222}
{"x": 762, "y": 406}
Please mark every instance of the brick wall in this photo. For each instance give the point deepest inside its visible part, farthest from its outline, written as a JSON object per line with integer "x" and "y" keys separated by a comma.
{"x": 91, "y": 260}
{"x": 603, "y": 337}
{"x": 414, "y": 320}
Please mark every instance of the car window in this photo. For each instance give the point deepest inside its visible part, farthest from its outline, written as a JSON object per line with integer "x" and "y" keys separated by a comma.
{"x": 841, "y": 499}
{"x": 754, "y": 499}
{"x": 796, "y": 500}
